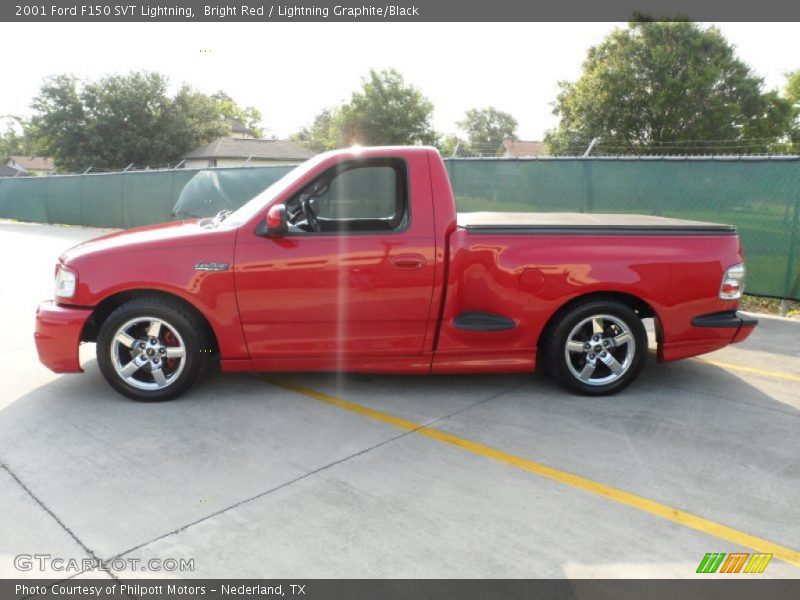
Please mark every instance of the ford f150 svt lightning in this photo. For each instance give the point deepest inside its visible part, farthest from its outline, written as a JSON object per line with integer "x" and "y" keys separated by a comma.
{"x": 357, "y": 261}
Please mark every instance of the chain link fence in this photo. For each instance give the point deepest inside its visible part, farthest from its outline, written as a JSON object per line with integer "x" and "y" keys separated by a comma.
{"x": 760, "y": 195}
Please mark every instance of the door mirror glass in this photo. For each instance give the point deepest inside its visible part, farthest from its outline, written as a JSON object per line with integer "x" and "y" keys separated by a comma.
{"x": 277, "y": 222}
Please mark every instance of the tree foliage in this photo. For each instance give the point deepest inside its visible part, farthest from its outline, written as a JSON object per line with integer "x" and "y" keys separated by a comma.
{"x": 674, "y": 85}
{"x": 792, "y": 89}
{"x": 486, "y": 128}
{"x": 14, "y": 141}
{"x": 249, "y": 116}
{"x": 792, "y": 93}
{"x": 384, "y": 111}
{"x": 123, "y": 119}
{"x": 448, "y": 144}
{"x": 320, "y": 135}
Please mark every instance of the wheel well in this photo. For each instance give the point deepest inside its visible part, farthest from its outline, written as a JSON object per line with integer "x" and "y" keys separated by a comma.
{"x": 110, "y": 304}
{"x": 639, "y": 306}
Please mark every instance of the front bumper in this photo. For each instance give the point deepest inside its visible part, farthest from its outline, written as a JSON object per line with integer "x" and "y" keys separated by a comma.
{"x": 58, "y": 334}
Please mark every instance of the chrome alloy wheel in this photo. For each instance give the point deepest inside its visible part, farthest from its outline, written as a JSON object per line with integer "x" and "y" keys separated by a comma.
{"x": 148, "y": 353}
{"x": 600, "y": 349}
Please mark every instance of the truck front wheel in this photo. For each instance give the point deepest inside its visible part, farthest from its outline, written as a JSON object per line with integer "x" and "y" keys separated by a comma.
{"x": 597, "y": 347}
{"x": 151, "y": 349}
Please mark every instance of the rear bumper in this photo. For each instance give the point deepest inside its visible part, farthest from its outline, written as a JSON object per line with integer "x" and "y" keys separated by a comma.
{"x": 726, "y": 320}
{"x": 708, "y": 333}
{"x": 58, "y": 334}
{"x": 741, "y": 325}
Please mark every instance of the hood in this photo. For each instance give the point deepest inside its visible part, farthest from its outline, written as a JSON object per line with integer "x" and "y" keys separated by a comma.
{"x": 164, "y": 235}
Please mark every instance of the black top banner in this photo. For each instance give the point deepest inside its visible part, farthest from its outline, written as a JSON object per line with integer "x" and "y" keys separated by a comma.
{"x": 396, "y": 10}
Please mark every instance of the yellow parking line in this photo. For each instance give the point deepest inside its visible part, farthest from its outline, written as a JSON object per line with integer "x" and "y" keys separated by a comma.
{"x": 576, "y": 481}
{"x": 755, "y": 371}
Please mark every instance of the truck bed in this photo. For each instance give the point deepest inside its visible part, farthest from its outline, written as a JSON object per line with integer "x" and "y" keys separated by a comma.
{"x": 588, "y": 223}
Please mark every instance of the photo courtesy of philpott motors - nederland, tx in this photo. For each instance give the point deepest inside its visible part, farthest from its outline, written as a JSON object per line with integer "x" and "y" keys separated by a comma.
{"x": 77, "y": 590}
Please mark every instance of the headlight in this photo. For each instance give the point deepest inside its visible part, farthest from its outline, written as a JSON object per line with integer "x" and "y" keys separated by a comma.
{"x": 65, "y": 282}
{"x": 732, "y": 283}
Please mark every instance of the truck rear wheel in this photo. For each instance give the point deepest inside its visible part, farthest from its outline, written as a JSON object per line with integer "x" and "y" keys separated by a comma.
{"x": 152, "y": 350}
{"x": 597, "y": 347}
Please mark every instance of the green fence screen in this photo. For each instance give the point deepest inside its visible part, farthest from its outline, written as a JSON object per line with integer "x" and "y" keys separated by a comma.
{"x": 121, "y": 200}
{"x": 761, "y": 196}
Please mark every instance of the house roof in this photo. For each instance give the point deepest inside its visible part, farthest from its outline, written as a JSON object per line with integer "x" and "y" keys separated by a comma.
{"x": 34, "y": 163}
{"x": 8, "y": 171}
{"x": 522, "y": 148}
{"x": 228, "y": 147}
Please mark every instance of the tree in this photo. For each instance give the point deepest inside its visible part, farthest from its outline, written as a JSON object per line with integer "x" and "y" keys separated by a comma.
{"x": 319, "y": 136}
{"x": 486, "y": 128}
{"x": 792, "y": 93}
{"x": 123, "y": 119}
{"x": 448, "y": 144}
{"x": 792, "y": 88}
{"x": 15, "y": 140}
{"x": 667, "y": 87}
{"x": 249, "y": 116}
{"x": 384, "y": 111}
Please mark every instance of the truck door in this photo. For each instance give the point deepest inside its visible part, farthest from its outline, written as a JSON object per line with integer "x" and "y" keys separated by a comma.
{"x": 360, "y": 283}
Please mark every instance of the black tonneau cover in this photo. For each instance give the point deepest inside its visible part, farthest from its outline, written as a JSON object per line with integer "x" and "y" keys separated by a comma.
{"x": 586, "y": 223}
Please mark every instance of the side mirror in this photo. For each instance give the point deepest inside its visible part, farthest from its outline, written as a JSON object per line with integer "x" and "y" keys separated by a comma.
{"x": 277, "y": 222}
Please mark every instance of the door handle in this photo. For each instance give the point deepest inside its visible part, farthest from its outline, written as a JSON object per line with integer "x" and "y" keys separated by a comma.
{"x": 408, "y": 261}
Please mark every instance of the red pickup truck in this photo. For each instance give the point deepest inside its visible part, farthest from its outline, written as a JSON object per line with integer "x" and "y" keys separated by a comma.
{"x": 357, "y": 261}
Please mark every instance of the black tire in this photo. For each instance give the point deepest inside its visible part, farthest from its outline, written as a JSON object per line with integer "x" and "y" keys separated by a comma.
{"x": 179, "y": 328}
{"x": 589, "y": 371}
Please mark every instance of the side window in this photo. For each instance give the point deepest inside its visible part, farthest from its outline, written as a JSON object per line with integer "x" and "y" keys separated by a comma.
{"x": 361, "y": 193}
{"x": 358, "y": 196}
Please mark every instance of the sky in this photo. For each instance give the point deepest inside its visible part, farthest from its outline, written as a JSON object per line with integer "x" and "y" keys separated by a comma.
{"x": 291, "y": 71}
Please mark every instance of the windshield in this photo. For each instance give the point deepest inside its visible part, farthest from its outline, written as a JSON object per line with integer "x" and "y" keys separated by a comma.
{"x": 249, "y": 210}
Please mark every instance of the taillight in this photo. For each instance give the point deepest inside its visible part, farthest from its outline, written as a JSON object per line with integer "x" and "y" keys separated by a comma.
{"x": 732, "y": 283}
